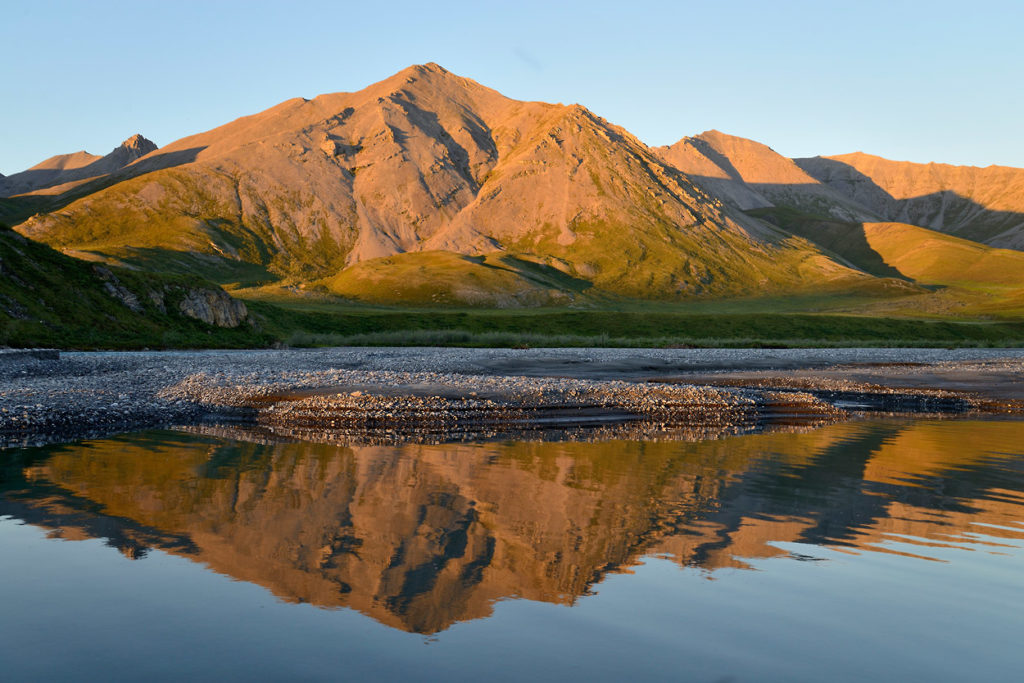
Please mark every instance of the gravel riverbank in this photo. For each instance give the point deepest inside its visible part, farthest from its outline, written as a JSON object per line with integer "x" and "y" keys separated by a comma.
{"x": 91, "y": 393}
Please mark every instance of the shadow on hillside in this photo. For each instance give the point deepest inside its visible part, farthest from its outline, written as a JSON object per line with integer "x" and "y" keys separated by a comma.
{"x": 212, "y": 267}
{"x": 430, "y": 124}
{"x": 718, "y": 158}
{"x": 945, "y": 211}
{"x": 543, "y": 274}
{"x": 849, "y": 241}
{"x": 15, "y": 209}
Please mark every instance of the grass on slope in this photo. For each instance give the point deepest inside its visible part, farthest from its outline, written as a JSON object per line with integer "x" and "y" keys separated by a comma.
{"x": 933, "y": 258}
{"x": 604, "y": 264}
{"x": 661, "y": 261}
{"x": 209, "y": 267}
{"x": 48, "y": 299}
{"x": 966, "y": 278}
{"x": 444, "y": 278}
{"x": 204, "y": 221}
{"x": 190, "y": 221}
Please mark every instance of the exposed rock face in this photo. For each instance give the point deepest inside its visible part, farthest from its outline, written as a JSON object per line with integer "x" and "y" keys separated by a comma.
{"x": 214, "y": 307}
{"x": 118, "y": 291}
{"x": 131, "y": 149}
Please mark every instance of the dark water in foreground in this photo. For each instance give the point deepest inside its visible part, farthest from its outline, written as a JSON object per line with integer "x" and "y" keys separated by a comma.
{"x": 874, "y": 550}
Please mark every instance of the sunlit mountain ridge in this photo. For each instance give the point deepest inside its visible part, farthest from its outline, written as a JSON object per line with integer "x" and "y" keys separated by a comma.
{"x": 431, "y": 189}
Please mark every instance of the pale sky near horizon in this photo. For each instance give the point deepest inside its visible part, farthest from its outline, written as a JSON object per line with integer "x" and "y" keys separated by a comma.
{"x": 919, "y": 81}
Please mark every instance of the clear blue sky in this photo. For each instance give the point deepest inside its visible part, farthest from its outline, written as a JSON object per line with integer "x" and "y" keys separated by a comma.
{"x": 923, "y": 81}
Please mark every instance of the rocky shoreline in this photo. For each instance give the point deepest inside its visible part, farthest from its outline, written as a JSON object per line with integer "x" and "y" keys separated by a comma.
{"x": 429, "y": 393}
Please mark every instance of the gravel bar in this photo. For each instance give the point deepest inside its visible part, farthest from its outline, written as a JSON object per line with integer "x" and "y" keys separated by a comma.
{"x": 44, "y": 399}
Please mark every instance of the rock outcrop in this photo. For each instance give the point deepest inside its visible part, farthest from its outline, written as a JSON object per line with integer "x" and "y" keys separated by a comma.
{"x": 50, "y": 299}
{"x": 213, "y": 307}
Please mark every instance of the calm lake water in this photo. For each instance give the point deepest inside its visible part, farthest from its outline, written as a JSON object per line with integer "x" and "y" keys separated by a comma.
{"x": 890, "y": 550}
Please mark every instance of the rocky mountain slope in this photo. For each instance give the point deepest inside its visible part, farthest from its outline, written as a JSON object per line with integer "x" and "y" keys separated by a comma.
{"x": 934, "y": 225}
{"x": 750, "y": 175}
{"x": 980, "y": 204}
{"x": 522, "y": 196}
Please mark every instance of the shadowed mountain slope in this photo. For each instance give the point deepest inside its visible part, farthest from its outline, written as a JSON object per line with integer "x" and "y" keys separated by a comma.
{"x": 750, "y": 175}
{"x": 876, "y": 227}
{"x": 425, "y": 162}
{"x": 980, "y": 204}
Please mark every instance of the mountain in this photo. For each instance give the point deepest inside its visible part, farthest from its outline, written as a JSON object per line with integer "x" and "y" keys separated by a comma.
{"x": 979, "y": 204}
{"x": 933, "y": 225}
{"x": 429, "y": 188}
{"x": 750, "y": 175}
{"x": 378, "y": 195}
{"x": 63, "y": 172}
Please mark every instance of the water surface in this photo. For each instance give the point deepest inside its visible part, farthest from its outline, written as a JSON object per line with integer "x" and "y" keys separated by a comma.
{"x": 887, "y": 549}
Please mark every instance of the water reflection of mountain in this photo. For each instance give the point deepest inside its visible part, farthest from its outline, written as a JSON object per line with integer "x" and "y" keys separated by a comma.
{"x": 420, "y": 537}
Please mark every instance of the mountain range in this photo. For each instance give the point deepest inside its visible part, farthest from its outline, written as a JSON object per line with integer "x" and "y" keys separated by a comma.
{"x": 428, "y": 188}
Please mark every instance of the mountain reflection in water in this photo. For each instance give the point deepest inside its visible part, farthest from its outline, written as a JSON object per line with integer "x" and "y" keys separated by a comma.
{"x": 422, "y": 536}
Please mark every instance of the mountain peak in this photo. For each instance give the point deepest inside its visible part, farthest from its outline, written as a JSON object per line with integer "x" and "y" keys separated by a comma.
{"x": 433, "y": 67}
{"x": 428, "y": 69}
{"x": 139, "y": 145}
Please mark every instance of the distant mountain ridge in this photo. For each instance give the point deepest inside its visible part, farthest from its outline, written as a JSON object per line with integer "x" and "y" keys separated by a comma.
{"x": 981, "y": 204}
{"x": 751, "y": 175}
{"x": 427, "y": 162}
{"x": 59, "y": 173}
{"x": 430, "y": 188}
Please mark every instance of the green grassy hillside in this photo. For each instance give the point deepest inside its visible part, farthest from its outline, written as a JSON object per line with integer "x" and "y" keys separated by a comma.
{"x": 48, "y": 299}
{"x": 443, "y": 278}
{"x": 601, "y": 266}
{"x": 966, "y": 279}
